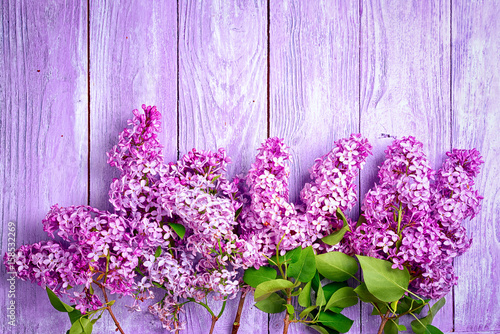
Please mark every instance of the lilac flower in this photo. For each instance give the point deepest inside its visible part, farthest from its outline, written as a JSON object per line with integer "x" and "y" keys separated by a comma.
{"x": 415, "y": 223}
{"x": 269, "y": 218}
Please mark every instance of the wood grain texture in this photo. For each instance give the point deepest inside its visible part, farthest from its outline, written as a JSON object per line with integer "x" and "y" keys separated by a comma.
{"x": 133, "y": 61}
{"x": 405, "y": 89}
{"x": 222, "y": 102}
{"x": 43, "y": 135}
{"x": 314, "y": 81}
{"x": 476, "y": 123}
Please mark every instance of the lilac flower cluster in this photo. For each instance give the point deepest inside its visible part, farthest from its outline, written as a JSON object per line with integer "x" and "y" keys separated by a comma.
{"x": 173, "y": 228}
{"x": 415, "y": 223}
{"x": 269, "y": 218}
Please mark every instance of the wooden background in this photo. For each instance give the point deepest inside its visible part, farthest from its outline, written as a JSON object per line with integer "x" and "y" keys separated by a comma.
{"x": 229, "y": 74}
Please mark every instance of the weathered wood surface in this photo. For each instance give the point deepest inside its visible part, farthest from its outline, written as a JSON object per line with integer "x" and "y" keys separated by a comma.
{"x": 313, "y": 90}
{"x": 405, "y": 89}
{"x": 476, "y": 123}
{"x": 133, "y": 47}
{"x": 222, "y": 103}
{"x": 428, "y": 69}
{"x": 43, "y": 133}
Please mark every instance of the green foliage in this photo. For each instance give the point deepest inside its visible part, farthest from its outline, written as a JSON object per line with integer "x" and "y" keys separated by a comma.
{"x": 179, "y": 229}
{"x": 307, "y": 310}
{"x": 304, "y": 268}
{"x": 335, "y": 321}
{"x": 342, "y": 298}
{"x": 254, "y": 277}
{"x": 57, "y": 303}
{"x": 381, "y": 280}
{"x": 337, "y": 236}
{"x": 336, "y": 266}
{"x": 80, "y": 324}
{"x": 273, "y": 304}
{"x": 158, "y": 252}
{"x": 264, "y": 289}
{"x": 423, "y": 326}
{"x": 305, "y": 296}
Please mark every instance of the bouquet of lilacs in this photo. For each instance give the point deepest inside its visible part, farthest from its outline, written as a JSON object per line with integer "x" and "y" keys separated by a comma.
{"x": 185, "y": 229}
{"x": 172, "y": 229}
{"x": 294, "y": 240}
{"x": 405, "y": 239}
{"x": 412, "y": 218}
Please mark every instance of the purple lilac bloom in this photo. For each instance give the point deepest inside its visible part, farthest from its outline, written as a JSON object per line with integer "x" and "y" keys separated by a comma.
{"x": 268, "y": 217}
{"x": 136, "y": 248}
{"x": 415, "y": 223}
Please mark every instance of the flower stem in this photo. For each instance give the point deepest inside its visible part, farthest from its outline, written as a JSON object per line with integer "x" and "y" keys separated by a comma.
{"x": 108, "y": 307}
{"x": 287, "y": 316}
{"x": 385, "y": 318}
{"x": 236, "y": 324}
{"x": 214, "y": 320}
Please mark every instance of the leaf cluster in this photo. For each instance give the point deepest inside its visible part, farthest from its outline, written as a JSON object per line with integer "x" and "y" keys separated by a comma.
{"x": 318, "y": 281}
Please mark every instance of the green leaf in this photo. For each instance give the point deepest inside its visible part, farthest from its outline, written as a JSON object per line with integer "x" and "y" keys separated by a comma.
{"x": 254, "y": 277}
{"x": 264, "y": 289}
{"x": 361, "y": 220}
{"x": 422, "y": 326}
{"x": 394, "y": 306}
{"x": 316, "y": 281}
{"x": 336, "y": 266}
{"x": 342, "y": 298}
{"x": 320, "y": 296}
{"x": 341, "y": 216}
{"x": 306, "y": 312}
{"x": 179, "y": 229}
{"x": 158, "y": 252}
{"x": 331, "y": 288}
{"x": 291, "y": 256}
{"x": 273, "y": 304}
{"x": 305, "y": 296}
{"x": 365, "y": 295}
{"x": 409, "y": 304}
{"x": 391, "y": 326}
{"x": 81, "y": 326}
{"x": 57, "y": 303}
{"x": 335, "y": 237}
{"x": 335, "y": 321}
{"x": 381, "y": 280}
{"x": 319, "y": 329}
{"x": 305, "y": 268}
{"x": 74, "y": 315}
{"x": 237, "y": 213}
{"x": 433, "y": 330}
{"x": 290, "y": 309}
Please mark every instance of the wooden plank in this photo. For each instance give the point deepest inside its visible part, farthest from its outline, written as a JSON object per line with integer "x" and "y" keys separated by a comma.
{"x": 43, "y": 135}
{"x": 313, "y": 90}
{"x": 133, "y": 61}
{"x": 222, "y": 102}
{"x": 475, "y": 123}
{"x": 405, "y": 89}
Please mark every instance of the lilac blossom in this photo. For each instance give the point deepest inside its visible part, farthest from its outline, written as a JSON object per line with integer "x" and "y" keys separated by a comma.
{"x": 136, "y": 249}
{"x": 268, "y": 218}
{"x": 416, "y": 223}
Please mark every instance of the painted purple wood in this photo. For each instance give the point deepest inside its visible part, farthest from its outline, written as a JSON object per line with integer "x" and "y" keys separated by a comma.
{"x": 428, "y": 69}
{"x": 476, "y": 123}
{"x": 133, "y": 47}
{"x": 405, "y": 89}
{"x": 314, "y": 61}
{"x": 222, "y": 103}
{"x": 43, "y": 135}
